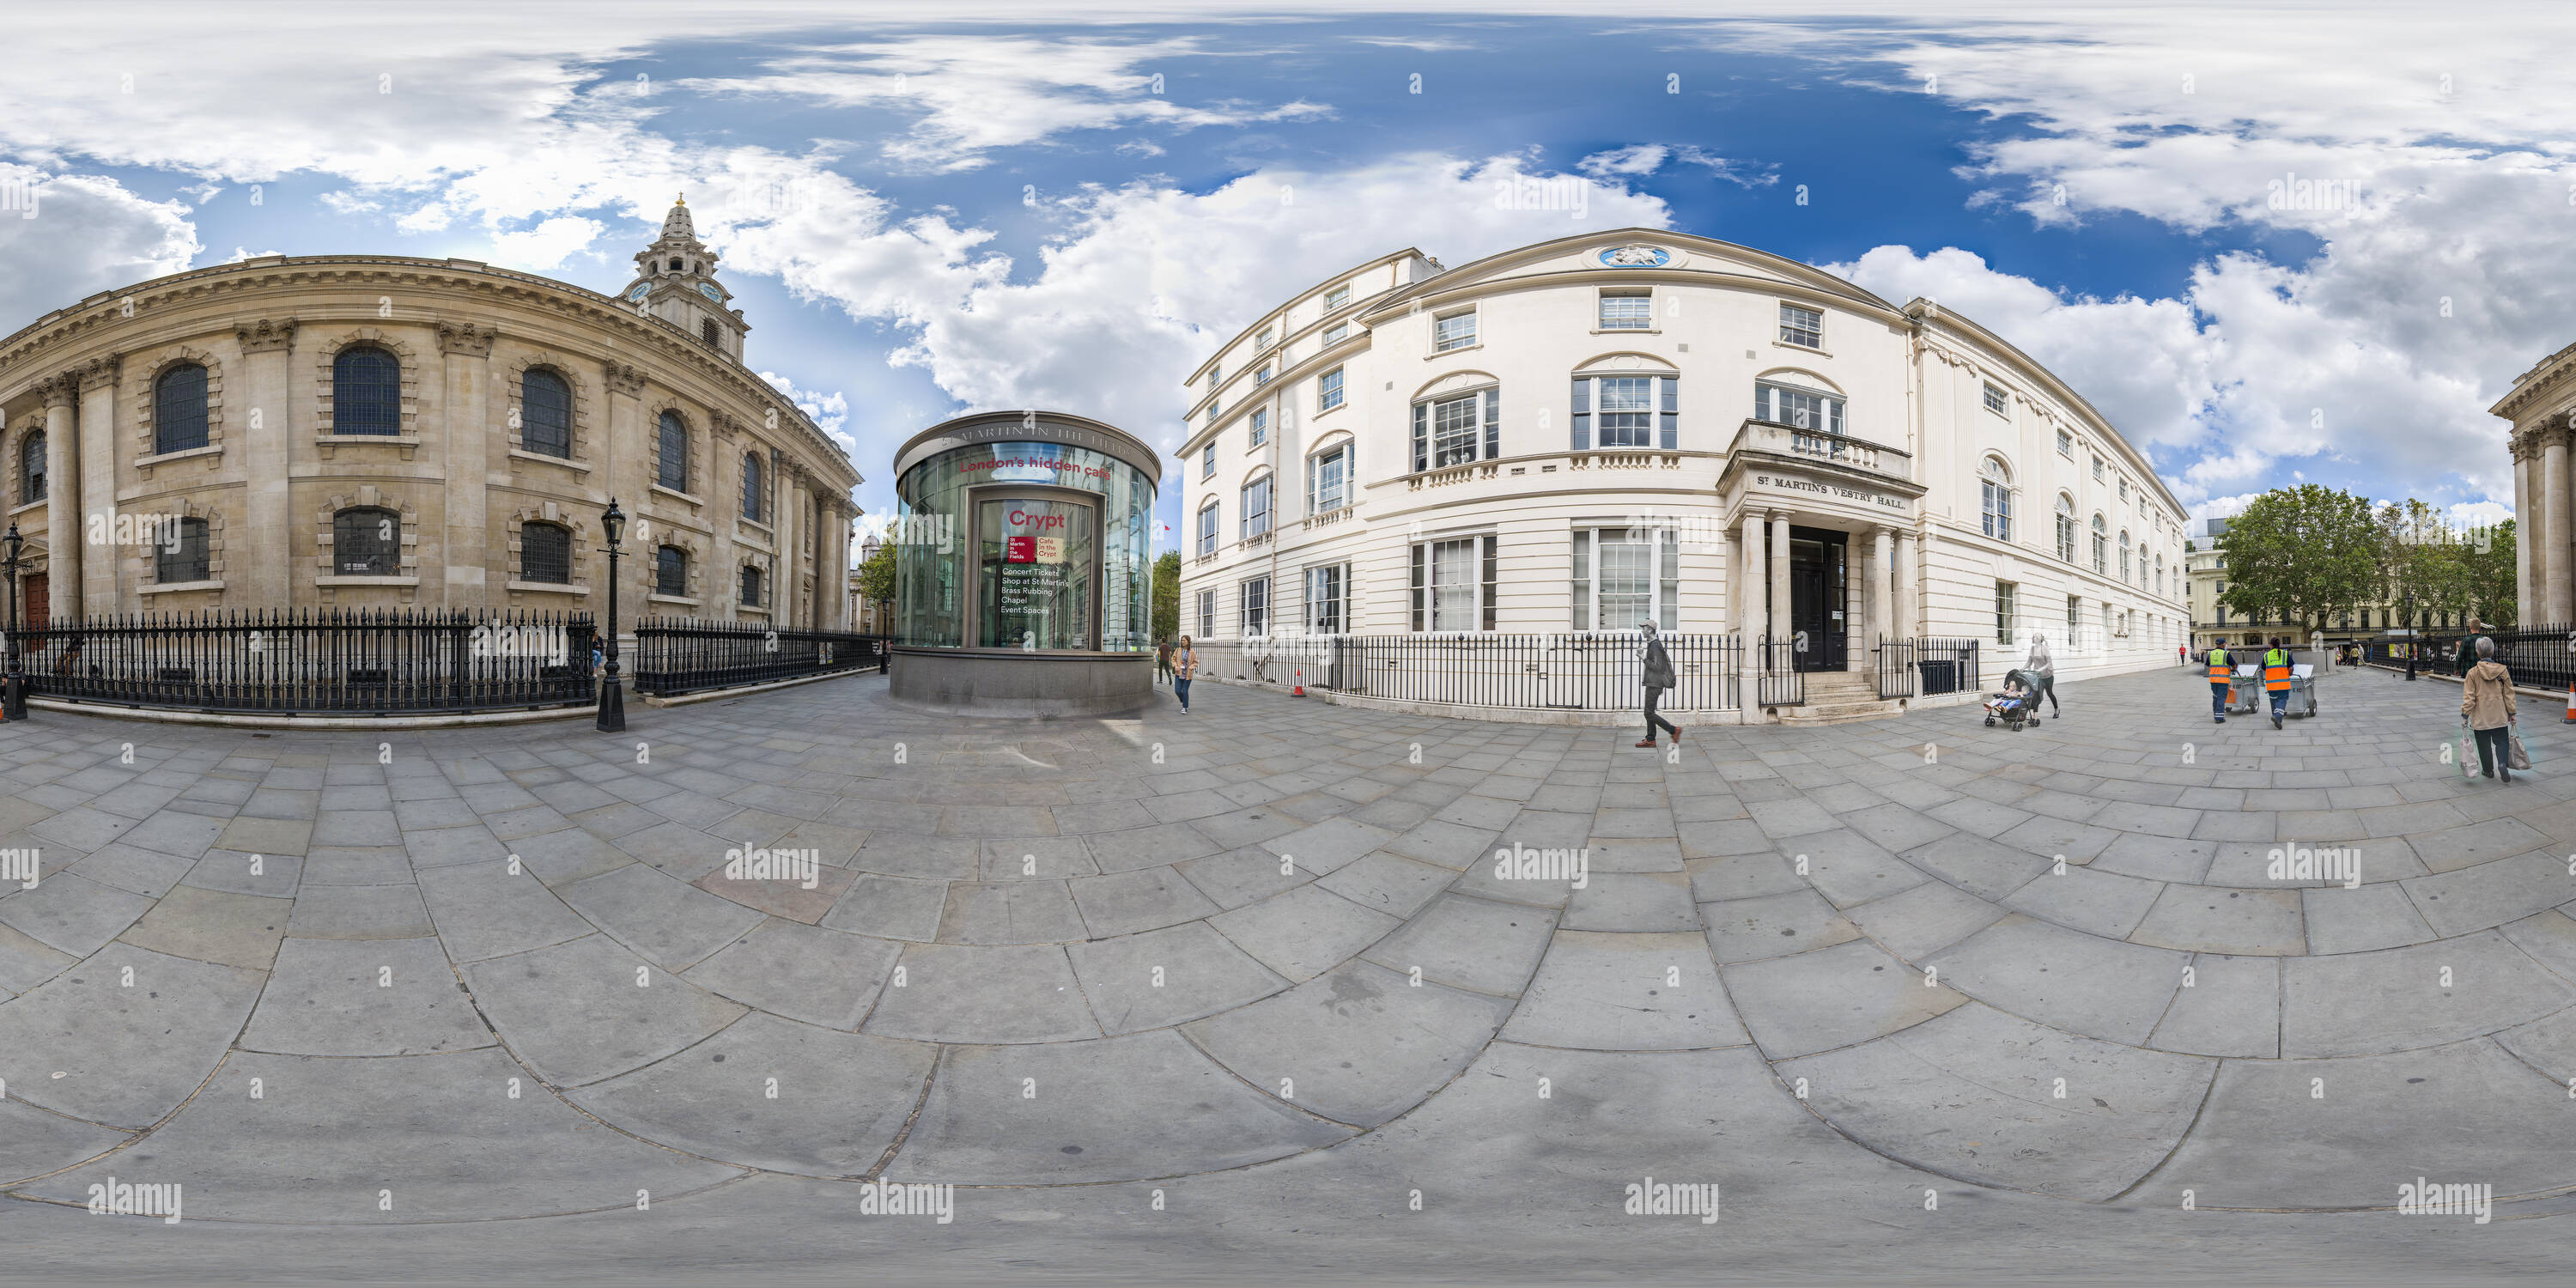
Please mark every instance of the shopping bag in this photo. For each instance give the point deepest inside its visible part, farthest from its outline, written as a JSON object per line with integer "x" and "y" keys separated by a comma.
{"x": 2516, "y": 756}
{"x": 2468, "y": 752}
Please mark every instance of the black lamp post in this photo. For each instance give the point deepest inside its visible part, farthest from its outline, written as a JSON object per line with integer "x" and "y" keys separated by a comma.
{"x": 612, "y": 695}
{"x": 13, "y": 694}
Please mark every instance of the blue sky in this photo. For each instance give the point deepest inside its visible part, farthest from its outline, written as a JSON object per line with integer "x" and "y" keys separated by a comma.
{"x": 1008, "y": 210}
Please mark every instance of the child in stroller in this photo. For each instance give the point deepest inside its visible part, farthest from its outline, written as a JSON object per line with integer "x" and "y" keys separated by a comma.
{"x": 2012, "y": 705}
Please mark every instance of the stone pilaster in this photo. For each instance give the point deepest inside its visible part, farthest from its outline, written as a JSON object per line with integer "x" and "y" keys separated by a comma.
{"x": 97, "y": 437}
{"x": 2554, "y": 534}
{"x": 264, "y": 579}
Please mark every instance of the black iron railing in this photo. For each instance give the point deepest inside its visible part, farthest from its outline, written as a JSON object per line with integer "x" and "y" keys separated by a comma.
{"x": 2541, "y": 655}
{"x": 315, "y": 661}
{"x": 1574, "y": 671}
{"x": 1779, "y": 683}
{"x": 679, "y": 655}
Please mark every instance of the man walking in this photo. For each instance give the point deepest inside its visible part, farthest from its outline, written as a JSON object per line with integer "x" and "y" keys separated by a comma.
{"x": 2221, "y": 675}
{"x": 2276, "y": 678}
{"x": 1658, "y": 676}
{"x": 1162, "y": 660}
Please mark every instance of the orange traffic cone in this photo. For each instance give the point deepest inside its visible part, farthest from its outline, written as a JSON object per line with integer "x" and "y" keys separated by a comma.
{"x": 1300, "y": 691}
{"x": 2571, "y": 704}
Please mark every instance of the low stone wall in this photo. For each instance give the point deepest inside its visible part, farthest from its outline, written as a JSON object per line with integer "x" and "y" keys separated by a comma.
{"x": 1025, "y": 685}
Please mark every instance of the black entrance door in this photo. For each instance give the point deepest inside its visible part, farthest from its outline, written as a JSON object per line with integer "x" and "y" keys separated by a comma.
{"x": 1817, "y": 593}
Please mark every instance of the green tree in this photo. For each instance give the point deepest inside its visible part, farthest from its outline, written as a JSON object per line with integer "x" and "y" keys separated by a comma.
{"x": 2490, "y": 556}
{"x": 876, "y": 574}
{"x": 2298, "y": 554}
{"x": 1167, "y": 596}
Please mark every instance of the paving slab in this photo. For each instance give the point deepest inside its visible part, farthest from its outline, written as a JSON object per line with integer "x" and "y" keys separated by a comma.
{"x": 840, "y": 1098}
{"x": 361, "y": 997}
{"x": 1357, "y": 1046}
{"x": 132, "y": 1046}
{"x": 1626, "y": 992}
{"x": 589, "y": 1010}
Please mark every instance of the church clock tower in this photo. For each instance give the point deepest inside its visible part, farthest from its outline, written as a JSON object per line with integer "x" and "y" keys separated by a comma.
{"x": 676, "y": 282}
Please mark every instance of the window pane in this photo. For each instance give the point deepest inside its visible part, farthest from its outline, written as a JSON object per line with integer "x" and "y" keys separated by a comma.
{"x": 179, "y": 409}
{"x": 1332, "y": 470}
{"x": 1454, "y": 332}
{"x": 1329, "y": 391}
{"x": 1453, "y": 586}
{"x": 1453, "y": 431}
{"x": 674, "y": 465}
{"x": 366, "y": 392}
{"x": 545, "y": 414}
{"x": 1802, "y": 326}
{"x": 1627, "y": 311}
{"x": 187, "y": 561}
{"x": 1626, "y": 572}
{"x": 366, "y": 543}
{"x": 545, "y": 554}
{"x": 752, "y": 491}
{"x": 671, "y": 571}
{"x": 1626, "y": 411}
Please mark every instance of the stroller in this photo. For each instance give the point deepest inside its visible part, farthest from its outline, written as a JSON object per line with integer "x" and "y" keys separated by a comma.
{"x": 2012, "y": 703}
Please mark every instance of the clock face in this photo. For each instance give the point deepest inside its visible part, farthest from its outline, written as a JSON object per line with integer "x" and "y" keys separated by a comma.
{"x": 708, "y": 289}
{"x": 641, "y": 290}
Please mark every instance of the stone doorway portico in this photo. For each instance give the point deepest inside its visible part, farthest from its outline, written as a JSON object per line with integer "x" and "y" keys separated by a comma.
{"x": 1796, "y": 502}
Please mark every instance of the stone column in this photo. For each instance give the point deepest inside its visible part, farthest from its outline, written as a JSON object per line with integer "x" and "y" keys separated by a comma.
{"x": 1909, "y": 592}
{"x": 463, "y": 522}
{"x": 2522, "y": 500}
{"x": 98, "y": 388}
{"x": 265, "y": 575}
{"x": 1881, "y": 543}
{"x": 62, "y": 498}
{"x": 1752, "y": 620}
{"x": 1783, "y": 624}
{"x": 836, "y": 537}
{"x": 2554, "y": 537}
{"x": 786, "y": 525}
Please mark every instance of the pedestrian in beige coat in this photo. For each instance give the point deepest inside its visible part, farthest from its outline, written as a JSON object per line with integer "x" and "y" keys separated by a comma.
{"x": 2486, "y": 703}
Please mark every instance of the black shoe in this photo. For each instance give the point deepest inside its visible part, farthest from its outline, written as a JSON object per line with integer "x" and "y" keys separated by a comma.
{"x": 2276, "y": 722}
{"x": 2486, "y": 773}
{"x": 2507, "y": 771}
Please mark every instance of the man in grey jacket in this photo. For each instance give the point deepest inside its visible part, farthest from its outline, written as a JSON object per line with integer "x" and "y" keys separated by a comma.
{"x": 1658, "y": 677}
{"x": 2039, "y": 661}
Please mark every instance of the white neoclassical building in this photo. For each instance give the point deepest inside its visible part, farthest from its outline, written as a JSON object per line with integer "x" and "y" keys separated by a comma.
{"x": 1583, "y": 434}
{"x": 2542, "y": 408}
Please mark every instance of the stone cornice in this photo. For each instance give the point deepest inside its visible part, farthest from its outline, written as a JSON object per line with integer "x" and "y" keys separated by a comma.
{"x": 660, "y": 343}
{"x": 98, "y": 373}
{"x": 265, "y": 334}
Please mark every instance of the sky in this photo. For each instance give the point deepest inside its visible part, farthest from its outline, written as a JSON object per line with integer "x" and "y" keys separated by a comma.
{"x": 1031, "y": 206}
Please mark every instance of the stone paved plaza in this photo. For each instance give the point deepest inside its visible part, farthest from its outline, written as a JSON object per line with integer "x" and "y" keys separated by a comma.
{"x": 1240, "y": 993}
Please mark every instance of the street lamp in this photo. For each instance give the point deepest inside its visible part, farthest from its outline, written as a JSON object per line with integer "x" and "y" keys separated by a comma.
{"x": 13, "y": 694}
{"x": 612, "y": 695}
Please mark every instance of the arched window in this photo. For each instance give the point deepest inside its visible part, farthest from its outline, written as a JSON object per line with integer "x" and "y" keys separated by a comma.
{"x": 750, "y": 586}
{"x": 752, "y": 490}
{"x": 673, "y": 451}
{"x": 366, "y": 541}
{"x": 545, "y": 414}
{"x": 2101, "y": 545}
{"x": 545, "y": 554}
{"x": 1995, "y": 484}
{"x": 707, "y": 331}
{"x": 2124, "y": 556}
{"x": 671, "y": 571}
{"x": 1207, "y": 528}
{"x": 366, "y": 392}
{"x": 185, "y": 559}
{"x": 179, "y": 409}
{"x": 2160, "y": 574}
{"x": 2066, "y": 527}
{"x": 31, "y": 468}
{"x": 1255, "y": 517}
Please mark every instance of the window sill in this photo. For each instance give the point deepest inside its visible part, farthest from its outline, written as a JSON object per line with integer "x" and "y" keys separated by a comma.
{"x": 1256, "y": 447}
{"x": 658, "y": 597}
{"x": 677, "y": 494}
{"x": 747, "y": 608}
{"x": 1802, "y": 348}
{"x": 1444, "y": 353}
{"x": 1627, "y": 330}
{"x": 371, "y": 440}
{"x": 547, "y": 587}
{"x": 178, "y": 587}
{"x": 1327, "y": 411}
{"x": 523, "y": 454}
{"x": 147, "y": 462}
{"x": 361, "y": 579}
{"x": 752, "y": 522}
{"x": 24, "y": 506}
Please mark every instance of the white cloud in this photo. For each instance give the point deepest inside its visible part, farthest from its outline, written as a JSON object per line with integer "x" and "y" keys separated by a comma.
{"x": 829, "y": 412}
{"x": 1647, "y": 158}
{"x": 83, "y": 234}
{"x": 547, "y": 245}
{"x": 975, "y": 94}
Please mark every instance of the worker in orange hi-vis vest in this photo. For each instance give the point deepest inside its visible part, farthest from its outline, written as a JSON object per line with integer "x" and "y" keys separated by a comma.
{"x": 2276, "y": 678}
{"x": 2221, "y": 674}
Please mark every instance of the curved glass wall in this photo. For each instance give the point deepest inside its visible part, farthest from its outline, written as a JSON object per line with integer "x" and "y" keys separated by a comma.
{"x": 1026, "y": 545}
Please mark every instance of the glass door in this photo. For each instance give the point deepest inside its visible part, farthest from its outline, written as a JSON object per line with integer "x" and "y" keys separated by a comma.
{"x": 1038, "y": 558}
